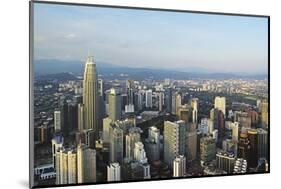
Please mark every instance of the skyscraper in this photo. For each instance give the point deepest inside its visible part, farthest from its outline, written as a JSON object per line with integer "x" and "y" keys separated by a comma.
{"x": 264, "y": 114}
{"x": 139, "y": 153}
{"x": 66, "y": 163}
{"x": 221, "y": 128}
{"x": 191, "y": 142}
{"x": 113, "y": 172}
{"x": 131, "y": 138}
{"x": 194, "y": 105}
{"x": 262, "y": 143}
{"x": 57, "y": 143}
{"x": 243, "y": 146}
{"x": 114, "y": 99}
{"x": 140, "y": 100}
{"x": 174, "y": 140}
{"x": 148, "y": 98}
{"x": 235, "y": 131}
{"x": 152, "y": 144}
{"x": 90, "y": 95}
{"x": 72, "y": 167}
{"x": 253, "y": 156}
{"x": 57, "y": 120}
{"x": 161, "y": 101}
{"x": 105, "y": 132}
{"x": 86, "y": 164}
{"x": 179, "y": 166}
{"x": 81, "y": 115}
{"x": 168, "y": 99}
{"x": 220, "y": 104}
{"x": 115, "y": 144}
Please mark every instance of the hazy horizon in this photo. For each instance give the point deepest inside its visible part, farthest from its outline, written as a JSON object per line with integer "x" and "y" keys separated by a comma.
{"x": 152, "y": 39}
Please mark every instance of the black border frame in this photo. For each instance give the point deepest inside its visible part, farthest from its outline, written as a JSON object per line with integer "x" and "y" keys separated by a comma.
{"x": 31, "y": 50}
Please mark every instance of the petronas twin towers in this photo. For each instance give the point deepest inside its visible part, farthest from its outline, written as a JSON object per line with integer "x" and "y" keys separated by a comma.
{"x": 90, "y": 96}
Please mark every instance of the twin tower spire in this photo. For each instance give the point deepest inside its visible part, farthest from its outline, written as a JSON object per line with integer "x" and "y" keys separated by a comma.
{"x": 90, "y": 96}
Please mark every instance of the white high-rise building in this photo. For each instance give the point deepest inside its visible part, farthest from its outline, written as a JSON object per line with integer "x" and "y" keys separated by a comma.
{"x": 86, "y": 164}
{"x": 131, "y": 138}
{"x": 113, "y": 172}
{"x": 203, "y": 126}
{"x": 66, "y": 163}
{"x": 90, "y": 95}
{"x": 105, "y": 129}
{"x": 210, "y": 126}
{"x": 130, "y": 108}
{"x": 174, "y": 140}
{"x": 57, "y": 120}
{"x": 179, "y": 166}
{"x": 72, "y": 167}
{"x": 154, "y": 134}
{"x": 81, "y": 117}
{"x": 235, "y": 131}
{"x": 148, "y": 98}
{"x": 115, "y": 144}
{"x": 139, "y": 153}
{"x": 220, "y": 104}
{"x": 194, "y": 106}
{"x": 57, "y": 143}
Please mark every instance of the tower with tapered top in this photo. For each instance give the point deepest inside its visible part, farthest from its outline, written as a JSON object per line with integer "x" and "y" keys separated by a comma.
{"x": 90, "y": 96}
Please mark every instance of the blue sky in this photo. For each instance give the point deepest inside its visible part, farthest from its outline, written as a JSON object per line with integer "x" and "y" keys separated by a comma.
{"x": 154, "y": 39}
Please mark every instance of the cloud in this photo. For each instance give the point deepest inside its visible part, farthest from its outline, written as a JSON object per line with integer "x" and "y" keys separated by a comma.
{"x": 70, "y": 36}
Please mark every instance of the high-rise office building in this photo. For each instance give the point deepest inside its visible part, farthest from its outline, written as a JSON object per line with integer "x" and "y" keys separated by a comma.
{"x": 191, "y": 142}
{"x": 178, "y": 102}
{"x": 81, "y": 115}
{"x": 86, "y": 164}
{"x": 253, "y": 155}
{"x": 140, "y": 100}
{"x": 148, "y": 98}
{"x": 105, "y": 129}
{"x": 130, "y": 91}
{"x": 221, "y": 128}
{"x": 207, "y": 149}
{"x": 194, "y": 106}
{"x": 57, "y": 120}
{"x": 115, "y": 144}
{"x": 262, "y": 143}
{"x": 184, "y": 113}
{"x": 225, "y": 161}
{"x": 160, "y": 101}
{"x": 264, "y": 114}
{"x": 113, "y": 172}
{"x": 72, "y": 167}
{"x": 243, "y": 150}
{"x": 179, "y": 166}
{"x": 220, "y": 104}
{"x": 114, "y": 99}
{"x": 139, "y": 153}
{"x": 235, "y": 131}
{"x": 57, "y": 143}
{"x": 152, "y": 144}
{"x": 168, "y": 100}
{"x": 174, "y": 140}
{"x": 66, "y": 163}
{"x": 131, "y": 138}
{"x": 90, "y": 96}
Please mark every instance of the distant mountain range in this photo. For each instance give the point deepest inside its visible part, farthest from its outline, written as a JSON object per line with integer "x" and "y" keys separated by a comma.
{"x": 111, "y": 71}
